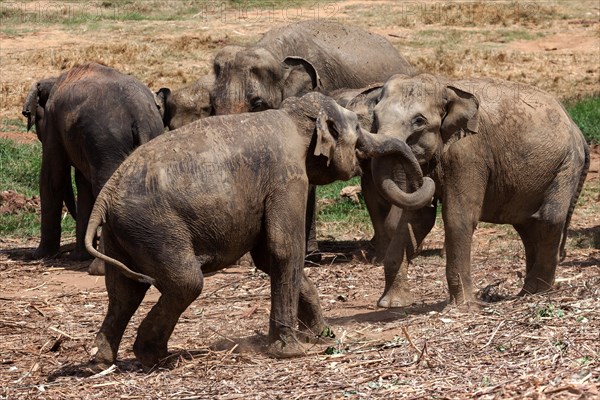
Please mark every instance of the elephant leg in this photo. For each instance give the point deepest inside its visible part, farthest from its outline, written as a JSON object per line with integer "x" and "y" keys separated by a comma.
{"x": 177, "y": 294}
{"x": 461, "y": 210}
{"x": 312, "y": 246}
{"x": 53, "y": 175}
{"x": 284, "y": 213}
{"x": 124, "y": 297}
{"x": 85, "y": 202}
{"x": 410, "y": 232}
{"x": 310, "y": 315}
{"x": 379, "y": 210}
{"x": 542, "y": 243}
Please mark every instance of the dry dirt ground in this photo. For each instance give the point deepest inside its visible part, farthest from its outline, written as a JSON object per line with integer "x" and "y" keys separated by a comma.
{"x": 545, "y": 346}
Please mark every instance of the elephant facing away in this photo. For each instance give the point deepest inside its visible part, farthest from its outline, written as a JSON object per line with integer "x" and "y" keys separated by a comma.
{"x": 492, "y": 151}
{"x": 182, "y": 106}
{"x": 93, "y": 118}
{"x": 173, "y": 216}
{"x": 292, "y": 60}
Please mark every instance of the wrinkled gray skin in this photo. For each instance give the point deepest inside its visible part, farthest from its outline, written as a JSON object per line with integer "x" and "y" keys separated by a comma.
{"x": 227, "y": 185}
{"x": 315, "y": 55}
{"x": 187, "y": 104}
{"x": 498, "y": 152}
{"x": 93, "y": 118}
{"x": 33, "y": 110}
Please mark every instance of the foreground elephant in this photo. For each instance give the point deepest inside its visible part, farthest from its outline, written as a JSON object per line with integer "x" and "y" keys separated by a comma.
{"x": 182, "y": 106}
{"x": 93, "y": 118}
{"x": 172, "y": 216}
{"x": 497, "y": 151}
{"x": 317, "y": 55}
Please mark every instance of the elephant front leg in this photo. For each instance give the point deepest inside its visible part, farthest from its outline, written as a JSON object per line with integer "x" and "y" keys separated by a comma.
{"x": 412, "y": 229}
{"x": 461, "y": 210}
{"x": 52, "y": 189}
{"x": 379, "y": 210}
{"x": 285, "y": 212}
{"x": 312, "y": 246}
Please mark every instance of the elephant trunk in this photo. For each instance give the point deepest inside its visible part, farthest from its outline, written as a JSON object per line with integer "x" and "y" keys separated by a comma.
{"x": 30, "y": 106}
{"x": 392, "y": 160}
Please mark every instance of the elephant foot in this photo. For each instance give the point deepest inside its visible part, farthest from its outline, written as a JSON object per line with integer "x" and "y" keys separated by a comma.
{"x": 321, "y": 334}
{"x": 535, "y": 286}
{"x": 392, "y": 298}
{"x": 79, "y": 255}
{"x": 96, "y": 267}
{"x": 289, "y": 347}
{"x": 149, "y": 355}
{"x": 43, "y": 252}
{"x": 312, "y": 251}
{"x": 102, "y": 354}
{"x": 466, "y": 306}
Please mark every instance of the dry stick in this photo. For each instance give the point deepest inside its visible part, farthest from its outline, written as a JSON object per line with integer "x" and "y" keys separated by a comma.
{"x": 61, "y": 332}
{"x": 494, "y": 334}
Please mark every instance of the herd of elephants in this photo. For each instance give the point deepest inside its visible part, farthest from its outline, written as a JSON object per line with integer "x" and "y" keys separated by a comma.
{"x": 308, "y": 104}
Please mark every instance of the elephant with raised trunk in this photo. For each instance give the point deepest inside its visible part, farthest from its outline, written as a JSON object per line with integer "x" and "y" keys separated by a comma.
{"x": 316, "y": 55}
{"x": 492, "y": 151}
{"x": 92, "y": 120}
{"x": 226, "y": 185}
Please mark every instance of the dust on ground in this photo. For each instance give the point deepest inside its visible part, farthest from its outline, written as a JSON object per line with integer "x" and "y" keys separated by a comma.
{"x": 544, "y": 346}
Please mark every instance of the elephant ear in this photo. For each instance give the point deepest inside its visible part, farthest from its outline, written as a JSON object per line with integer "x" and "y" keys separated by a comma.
{"x": 462, "y": 113}
{"x": 327, "y": 134}
{"x": 161, "y": 98}
{"x": 300, "y": 77}
{"x": 364, "y": 103}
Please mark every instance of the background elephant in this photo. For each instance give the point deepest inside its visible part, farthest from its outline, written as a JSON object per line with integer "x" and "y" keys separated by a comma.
{"x": 317, "y": 55}
{"x": 93, "y": 118}
{"x": 187, "y": 104}
{"x": 498, "y": 152}
{"x": 220, "y": 194}
{"x": 33, "y": 110}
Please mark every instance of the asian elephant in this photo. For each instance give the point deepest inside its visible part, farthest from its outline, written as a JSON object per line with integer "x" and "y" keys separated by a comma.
{"x": 316, "y": 55}
{"x": 182, "y": 106}
{"x": 227, "y": 185}
{"x": 493, "y": 151}
{"x": 93, "y": 118}
{"x": 33, "y": 110}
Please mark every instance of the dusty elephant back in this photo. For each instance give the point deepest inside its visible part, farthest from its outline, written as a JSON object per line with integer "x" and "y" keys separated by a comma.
{"x": 345, "y": 56}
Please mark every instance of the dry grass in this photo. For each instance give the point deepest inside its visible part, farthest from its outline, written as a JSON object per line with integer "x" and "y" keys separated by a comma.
{"x": 538, "y": 347}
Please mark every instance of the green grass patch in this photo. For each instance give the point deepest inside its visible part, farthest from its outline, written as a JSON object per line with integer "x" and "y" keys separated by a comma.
{"x": 13, "y": 125}
{"x": 341, "y": 214}
{"x": 20, "y": 166}
{"x": 586, "y": 115}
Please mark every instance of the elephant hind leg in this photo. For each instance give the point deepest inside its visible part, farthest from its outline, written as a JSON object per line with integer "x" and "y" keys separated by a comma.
{"x": 124, "y": 297}
{"x": 180, "y": 285}
{"x": 85, "y": 203}
{"x": 542, "y": 243}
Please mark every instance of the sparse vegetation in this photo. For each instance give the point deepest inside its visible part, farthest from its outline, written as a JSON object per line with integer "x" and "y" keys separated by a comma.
{"x": 541, "y": 346}
{"x": 586, "y": 114}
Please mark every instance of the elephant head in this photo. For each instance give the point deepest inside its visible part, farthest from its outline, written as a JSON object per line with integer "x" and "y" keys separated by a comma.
{"x": 35, "y": 102}
{"x": 427, "y": 114}
{"x": 252, "y": 79}
{"x": 338, "y": 142}
{"x": 182, "y": 106}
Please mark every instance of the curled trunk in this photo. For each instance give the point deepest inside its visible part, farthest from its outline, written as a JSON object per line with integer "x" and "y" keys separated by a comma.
{"x": 392, "y": 160}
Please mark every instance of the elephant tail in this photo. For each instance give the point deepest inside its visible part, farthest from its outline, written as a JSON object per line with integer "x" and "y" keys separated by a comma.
{"x": 584, "y": 171}
{"x": 97, "y": 218}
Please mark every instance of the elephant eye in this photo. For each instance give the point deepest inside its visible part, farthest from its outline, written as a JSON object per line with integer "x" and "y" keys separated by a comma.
{"x": 419, "y": 121}
{"x": 257, "y": 104}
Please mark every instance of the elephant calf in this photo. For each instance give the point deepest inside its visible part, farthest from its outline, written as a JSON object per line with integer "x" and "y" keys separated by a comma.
{"x": 494, "y": 151}
{"x": 93, "y": 118}
{"x": 195, "y": 200}
{"x": 182, "y": 106}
